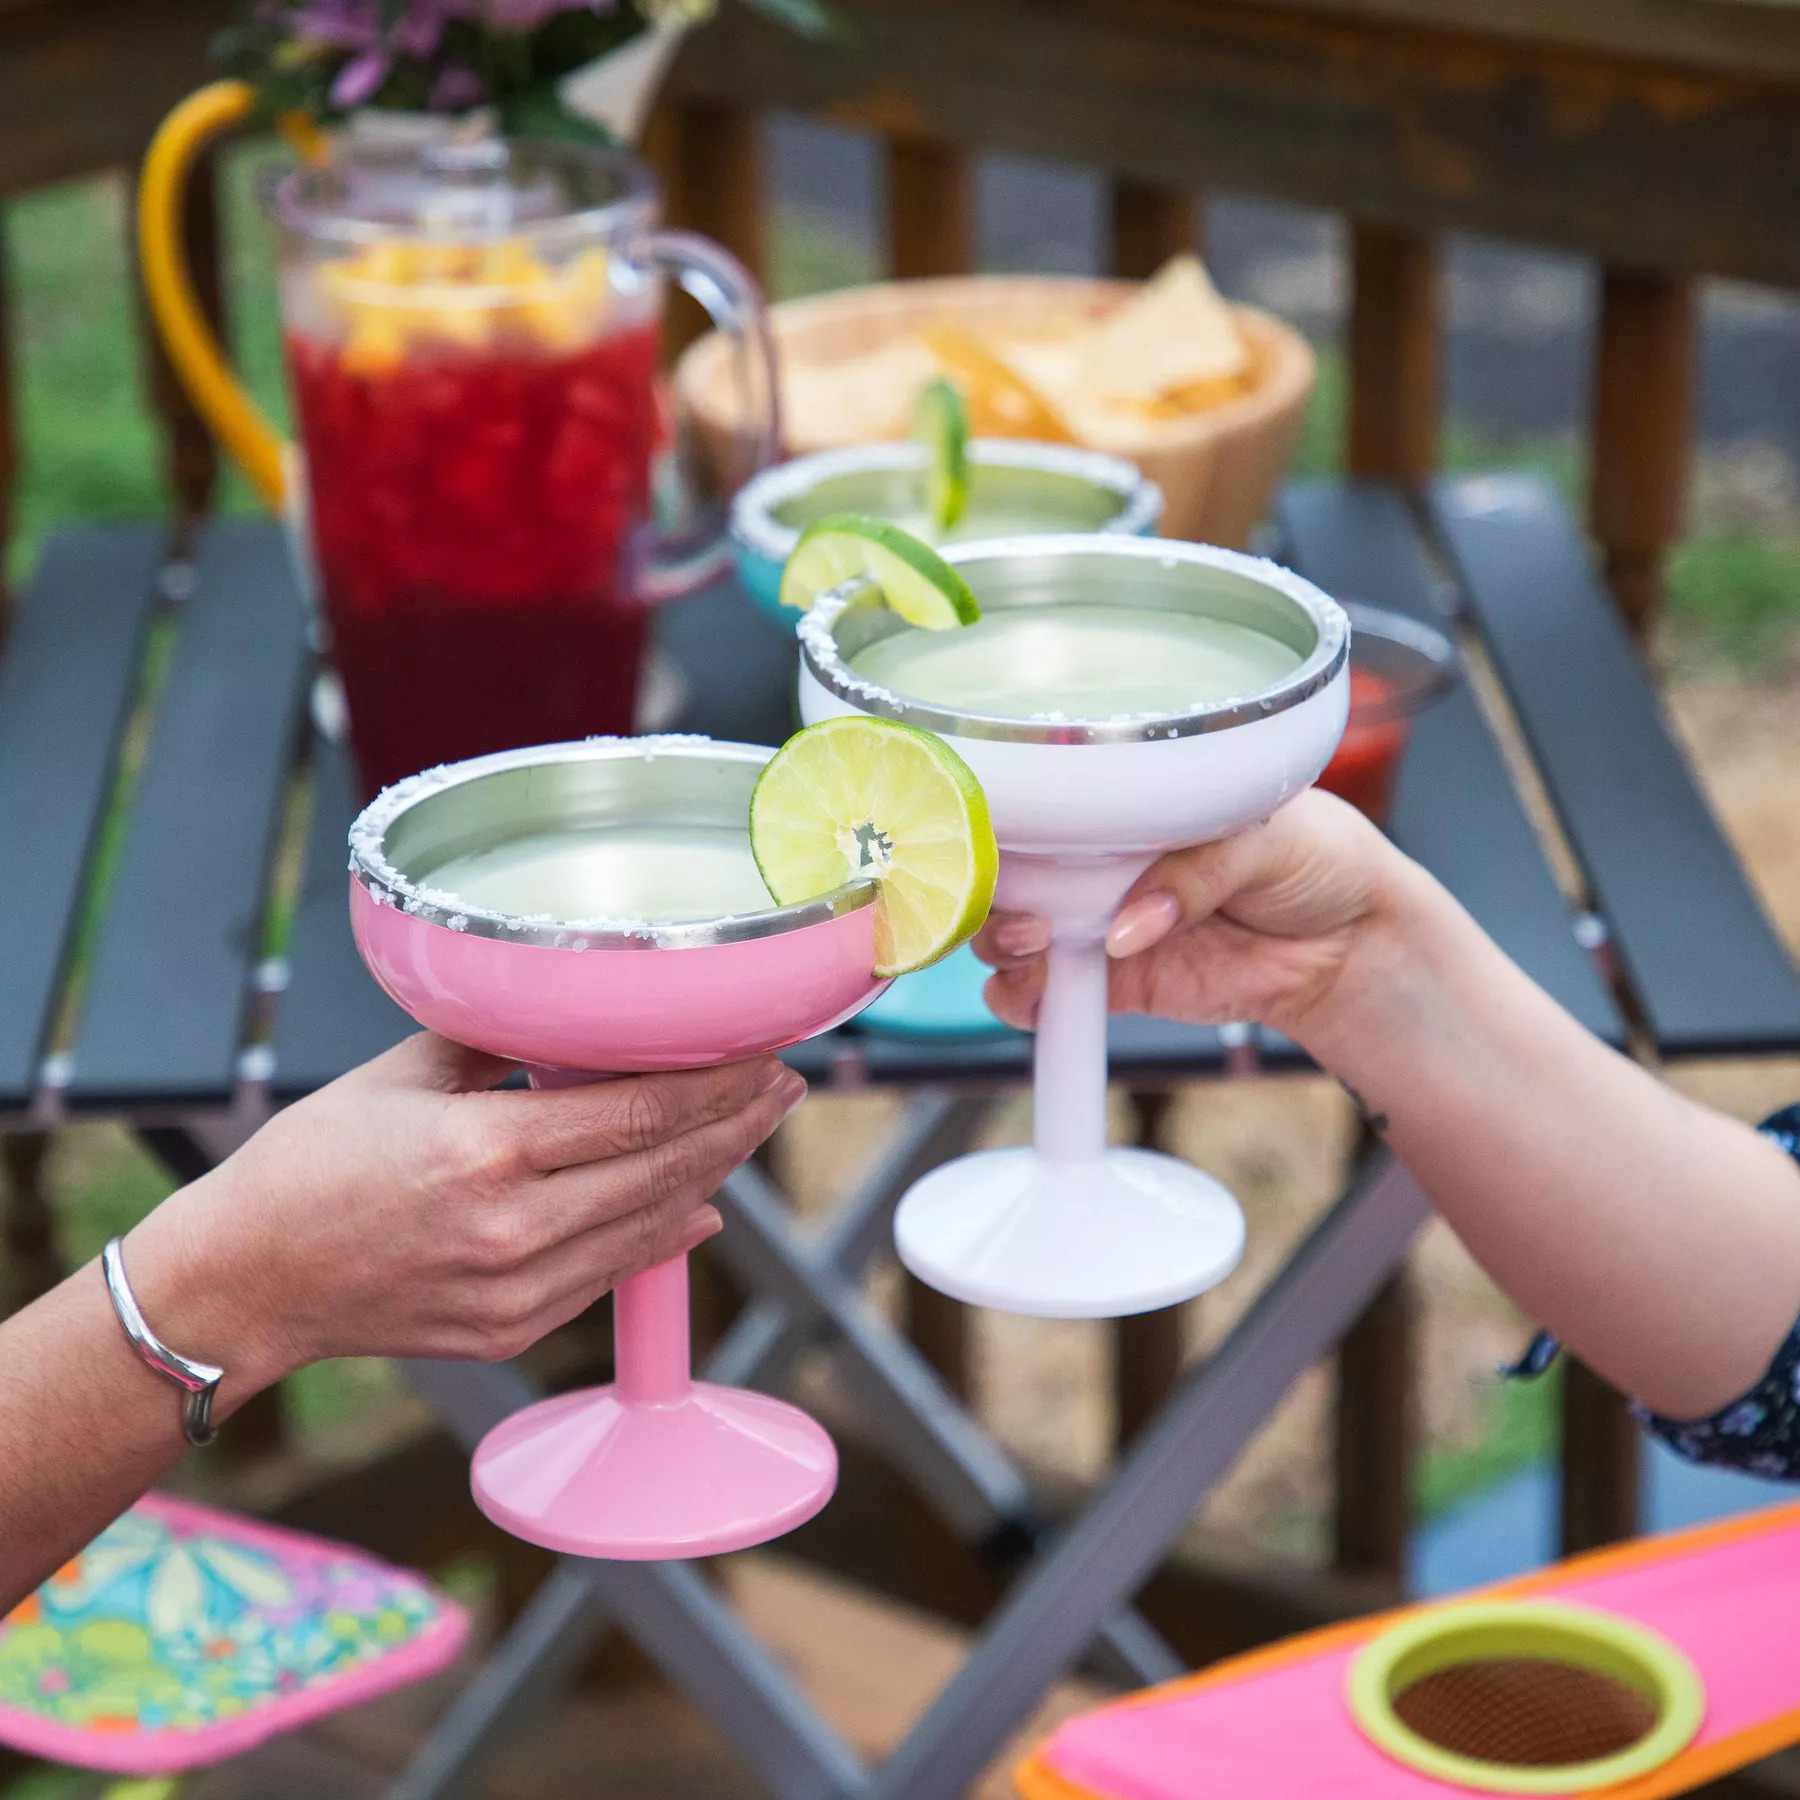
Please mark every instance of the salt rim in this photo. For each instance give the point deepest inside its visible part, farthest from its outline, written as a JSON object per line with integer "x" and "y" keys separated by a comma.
{"x": 823, "y": 661}
{"x": 754, "y": 526}
{"x": 387, "y": 885}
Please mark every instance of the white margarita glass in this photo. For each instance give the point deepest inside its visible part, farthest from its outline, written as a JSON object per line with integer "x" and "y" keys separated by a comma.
{"x": 1081, "y": 807}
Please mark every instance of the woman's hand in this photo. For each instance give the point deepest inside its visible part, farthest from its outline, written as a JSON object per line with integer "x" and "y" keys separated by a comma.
{"x": 1254, "y": 927}
{"x": 410, "y": 1210}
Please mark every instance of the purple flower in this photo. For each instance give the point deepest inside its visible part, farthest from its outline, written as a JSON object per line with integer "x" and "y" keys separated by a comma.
{"x": 419, "y": 28}
{"x": 358, "y": 79}
{"x": 349, "y": 24}
{"x": 417, "y": 35}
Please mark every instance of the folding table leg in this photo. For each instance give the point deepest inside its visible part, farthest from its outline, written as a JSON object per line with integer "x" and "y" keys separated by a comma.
{"x": 524, "y": 1673}
{"x": 962, "y": 1469}
{"x": 934, "y": 1127}
{"x": 1058, "y": 1606}
{"x": 470, "y": 1398}
{"x": 897, "y": 1386}
{"x": 703, "y": 1647}
{"x": 1131, "y": 1652}
{"x": 966, "y": 1474}
{"x": 695, "y": 1638}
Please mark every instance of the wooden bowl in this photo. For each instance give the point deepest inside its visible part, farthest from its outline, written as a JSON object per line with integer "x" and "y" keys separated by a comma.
{"x": 1216, "y": 468}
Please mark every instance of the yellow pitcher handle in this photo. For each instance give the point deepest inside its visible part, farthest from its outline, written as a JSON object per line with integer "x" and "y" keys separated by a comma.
{"x": 236, "y": 420}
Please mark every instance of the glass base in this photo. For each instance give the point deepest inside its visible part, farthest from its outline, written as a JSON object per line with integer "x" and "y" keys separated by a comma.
{"x": 1126, "y": 1233}
{"x": 589, "y": 1474}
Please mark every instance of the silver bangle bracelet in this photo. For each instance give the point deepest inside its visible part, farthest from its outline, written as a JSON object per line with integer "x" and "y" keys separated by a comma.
{"x": 198, "y": 1380}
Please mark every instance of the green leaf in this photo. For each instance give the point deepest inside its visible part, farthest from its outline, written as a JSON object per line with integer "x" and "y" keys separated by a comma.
{"x": 539, "y": 112}
{"x": 573, "y": 40}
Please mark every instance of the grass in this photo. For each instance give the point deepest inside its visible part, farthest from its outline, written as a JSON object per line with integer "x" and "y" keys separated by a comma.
{"x": 89, "y": 443}
{"x": 1520, "y": 1430}
{"x": 809, "y": 255}
{"x": 51, "y": 1783}
{"x": 1737, "y": 589}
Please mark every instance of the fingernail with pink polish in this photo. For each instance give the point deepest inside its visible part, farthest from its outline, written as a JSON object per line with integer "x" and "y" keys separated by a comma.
{"x": 791, "y": 1089}
{"x": 1026, "y": 935}
{"x": 1146, "y": 921}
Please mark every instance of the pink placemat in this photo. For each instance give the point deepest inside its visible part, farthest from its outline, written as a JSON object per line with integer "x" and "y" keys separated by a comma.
{"x": 1728, "y": 1595}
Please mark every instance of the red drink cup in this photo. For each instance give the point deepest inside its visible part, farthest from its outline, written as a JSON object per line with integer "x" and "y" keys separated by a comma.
{"x": 1398, "y": 667}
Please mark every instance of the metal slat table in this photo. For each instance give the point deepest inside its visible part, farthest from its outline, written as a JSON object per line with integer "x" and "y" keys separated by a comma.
{"x": 1693, "y": 943}
{"x": 162, "y": 1021}
{"x": 169, "y": 994}
{"x": 66, "y": 684}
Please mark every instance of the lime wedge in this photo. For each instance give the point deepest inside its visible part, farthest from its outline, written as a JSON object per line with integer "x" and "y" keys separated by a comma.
{"x": 863, "y": 796}
{"x": 941, "y": 424}
{"x": 914, "y": 580}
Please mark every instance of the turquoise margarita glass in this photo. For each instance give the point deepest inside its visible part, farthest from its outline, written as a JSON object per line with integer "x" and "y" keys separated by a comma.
{"x": 1015, "y": 487}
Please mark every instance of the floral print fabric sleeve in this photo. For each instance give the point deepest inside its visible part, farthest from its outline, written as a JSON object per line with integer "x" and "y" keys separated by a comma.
{"x": 1759, "y": 1432}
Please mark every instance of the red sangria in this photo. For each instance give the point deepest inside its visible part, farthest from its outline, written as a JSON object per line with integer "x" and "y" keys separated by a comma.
{"x": 472, "y": 516}
{"x": 1368, "y": 755}
{"x": 1398, "y": 667}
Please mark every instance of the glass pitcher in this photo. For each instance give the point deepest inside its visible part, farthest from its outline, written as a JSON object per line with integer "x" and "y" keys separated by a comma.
{"x": 471, "y": 330}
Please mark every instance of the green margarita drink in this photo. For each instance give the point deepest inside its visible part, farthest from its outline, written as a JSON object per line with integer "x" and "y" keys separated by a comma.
{"x": 1014, "y": 489}
{"x": 670, "y": 873}
{"x": 1078, "y": 662}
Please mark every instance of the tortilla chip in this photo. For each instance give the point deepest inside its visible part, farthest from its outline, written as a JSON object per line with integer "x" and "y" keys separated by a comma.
{"x": 1056, "y": 374}
{"x": 1176, "y": 335}
{"x": 855, "y": 400}
{"x": 1002, "y": 401}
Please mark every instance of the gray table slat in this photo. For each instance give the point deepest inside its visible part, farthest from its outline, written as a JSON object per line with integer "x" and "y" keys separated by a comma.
{"x": 1455, "y": 809}
{"x": 1694, "y": 944}
{"x": 164, "y": 1010}
{"x": 333, "y": 1015}
{"x": 68, "y": 673}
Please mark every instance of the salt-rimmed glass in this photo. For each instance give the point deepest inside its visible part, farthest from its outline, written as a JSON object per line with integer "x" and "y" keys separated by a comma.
{"x": 1081, "y": 807}
{"x": 654, "y": 1464}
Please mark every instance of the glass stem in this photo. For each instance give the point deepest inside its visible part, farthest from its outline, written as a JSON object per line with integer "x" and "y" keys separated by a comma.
{"x": 1069, "y": 1060}
{"x": 651, "y": 1354}
{"x": 650, "y": 1335}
